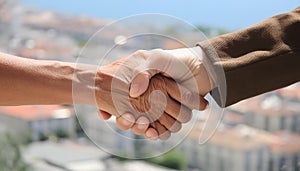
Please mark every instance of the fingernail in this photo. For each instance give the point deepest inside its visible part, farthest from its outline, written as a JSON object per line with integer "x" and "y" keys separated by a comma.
{"x": 151, "y": 136}
{"x": 127, "y": 120}
{"x": 141, "y": 126}
{"x": 188, "y": 96}
{"x": 142, "y": 123}
{"x": 134, "y": 90}
{"x": 148, "y": 134}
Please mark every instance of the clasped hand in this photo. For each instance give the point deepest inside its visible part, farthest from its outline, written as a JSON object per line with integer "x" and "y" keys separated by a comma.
{"x": 154, "y": 92}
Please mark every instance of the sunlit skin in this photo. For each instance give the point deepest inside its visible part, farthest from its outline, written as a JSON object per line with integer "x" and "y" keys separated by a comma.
{"x": 190, "y": 57}
{"x": 32, "y": 82}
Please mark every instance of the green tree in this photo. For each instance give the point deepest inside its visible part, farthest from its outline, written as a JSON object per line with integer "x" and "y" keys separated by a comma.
{"x": 172, "y": 159}
{"x": 10, "y": 154}
{"x": 61, "y": 133}
{"x": 43, "y": 136}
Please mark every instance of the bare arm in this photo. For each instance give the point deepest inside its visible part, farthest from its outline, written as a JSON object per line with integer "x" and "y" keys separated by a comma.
{"x": 31, "y": 82}
{"x": 41, "y": 82}
{"x": 28, "y": 81}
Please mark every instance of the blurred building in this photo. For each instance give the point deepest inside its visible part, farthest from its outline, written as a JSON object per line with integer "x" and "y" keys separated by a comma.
{"x": 270, "y": 141}
{"x": 71, "y": 156}
{"x": 261, "y": 133}
{"x": 39, "y": 120}
{"x": 106, "y": 134}
{"x": 291, "y": 93}
{"x": 270, "y": 112}
{"x": 243, "y": 148}
{"x": 284, "y": 151}
{"x": 230, "y": 149}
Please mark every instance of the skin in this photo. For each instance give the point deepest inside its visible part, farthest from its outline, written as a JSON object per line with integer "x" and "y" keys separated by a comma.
{"x": 167, "y": 63}
{"x": 32, "y": 82}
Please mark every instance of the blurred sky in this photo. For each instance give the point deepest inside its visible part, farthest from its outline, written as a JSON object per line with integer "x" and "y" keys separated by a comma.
{"x": 229, "y": 14}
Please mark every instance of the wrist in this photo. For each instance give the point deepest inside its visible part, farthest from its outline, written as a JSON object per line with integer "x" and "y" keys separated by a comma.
{"x": 92, "y": 85}
{"x": 206, "y": 82}
{"x": 193, "y": 57}
{"x": 68, "y": 83}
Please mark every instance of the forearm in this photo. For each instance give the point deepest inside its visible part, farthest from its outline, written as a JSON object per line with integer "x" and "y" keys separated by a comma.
{"x": 29, "y": 82}
{"x": 258, "y": 59}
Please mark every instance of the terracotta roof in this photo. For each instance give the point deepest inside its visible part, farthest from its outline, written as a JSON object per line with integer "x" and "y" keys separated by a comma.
{"x": 245, "y": 138}
{"x": 270, "y": 104}
{"x": 286, "y": 143}
{"x": 36, "y": 112}
{"x": 231, "y": 116}
{"x": 292, "y": 91}
{"x": 233, "y": 138}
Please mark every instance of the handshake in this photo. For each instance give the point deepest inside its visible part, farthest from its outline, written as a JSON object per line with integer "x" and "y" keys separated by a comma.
{"x": 153, "y": 92}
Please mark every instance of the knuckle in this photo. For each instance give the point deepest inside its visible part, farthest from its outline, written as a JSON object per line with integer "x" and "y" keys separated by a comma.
{"x": 153, "y": 102}
{"x": 176, "y": 127}
{"x": 122, "y": 127}
{"x": 164, "y": 136}
{"x": 158, "y": 50}
{"x": 187, "y": 96}
{"x": 137, "y": 130}
{"x": 185, "y": 117}
{"x": 140, "y": 53}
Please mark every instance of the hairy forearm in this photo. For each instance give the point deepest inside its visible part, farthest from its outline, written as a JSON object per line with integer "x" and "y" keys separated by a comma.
{"x": 28, "y": 82}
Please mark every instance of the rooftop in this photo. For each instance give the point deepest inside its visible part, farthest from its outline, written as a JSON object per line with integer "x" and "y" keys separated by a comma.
{"x": 292, "y": 91}
{"x": 37, "y": 112}
{"x": 235, "y": 138}
{"x": 68, "y": 155}
{"x": 244, "y": 138}
{"x": 285, "y": 143}
{"x": 267, "y": 104}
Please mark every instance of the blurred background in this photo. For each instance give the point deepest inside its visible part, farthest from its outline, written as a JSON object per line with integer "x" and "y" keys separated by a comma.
{"x": 258, "y": 134}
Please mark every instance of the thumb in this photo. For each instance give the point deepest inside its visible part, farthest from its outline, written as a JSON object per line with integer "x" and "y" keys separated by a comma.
{"x": 155, "y": 63}
{"x": 139, "y": 84}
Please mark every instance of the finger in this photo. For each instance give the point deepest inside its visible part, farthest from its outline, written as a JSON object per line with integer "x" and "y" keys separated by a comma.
{"x": 163, "y": 132}
{"x": 170, "y": 123}
{"x": 139, "y": 84}
{"x": 125, "y": 121}
{"x": 177, "y": 111}
{"x": 151, "y": 134}
{"x": 185, "y": 96}
{"x": 154, "y": 63}
{"x": 141, "y": 125}
{"x": 104, "y": 115}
